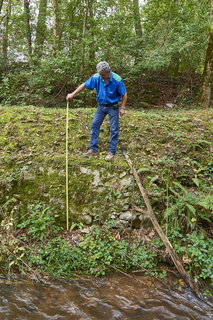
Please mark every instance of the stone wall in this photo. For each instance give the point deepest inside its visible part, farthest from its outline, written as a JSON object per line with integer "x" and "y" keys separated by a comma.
{"x": 94, "y": 194}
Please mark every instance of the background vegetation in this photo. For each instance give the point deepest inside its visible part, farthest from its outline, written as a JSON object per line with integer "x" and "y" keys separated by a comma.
{"x": 162, "y": 49}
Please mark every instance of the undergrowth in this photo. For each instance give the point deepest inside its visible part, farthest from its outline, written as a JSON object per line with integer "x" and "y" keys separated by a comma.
{"x": 172, "y": 153}
{"x": 36, "y": 245}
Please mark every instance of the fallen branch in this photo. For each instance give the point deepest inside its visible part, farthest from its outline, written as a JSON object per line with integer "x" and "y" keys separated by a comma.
{"x": 157, "y": 227}
{"x": 140, "y": 210}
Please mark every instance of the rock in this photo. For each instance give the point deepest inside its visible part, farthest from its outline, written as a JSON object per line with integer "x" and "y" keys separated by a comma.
{"x": 85, "y": 230}
{"x": 87, "y": 219}
{"x": 120, "y": 224}
{"x": 125, "y": 207}
{"x": 57, "y": 201}
{"x": 126, "y": 182}
{"x": 128, "y": 215}
{"x": 171, "y": 105}
{"x": 95, "y": 173}
{"x": 50, "y": 170}
{"x": 113, "y": 212}
{"x": 122, "y": 175}
{"x": 28, "y": 176}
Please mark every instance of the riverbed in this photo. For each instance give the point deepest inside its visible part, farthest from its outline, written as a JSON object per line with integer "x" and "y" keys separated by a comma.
{"x": 111, "y": 297}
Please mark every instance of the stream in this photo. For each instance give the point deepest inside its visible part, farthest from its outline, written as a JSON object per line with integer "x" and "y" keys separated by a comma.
{"x": 114, "y": 296}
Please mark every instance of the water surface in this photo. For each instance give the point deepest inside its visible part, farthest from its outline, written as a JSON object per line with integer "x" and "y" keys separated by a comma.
{"x": 108, "y": 298}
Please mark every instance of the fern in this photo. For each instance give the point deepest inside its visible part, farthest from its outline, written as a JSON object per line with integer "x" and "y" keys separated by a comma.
{"x": 207, "y": 202}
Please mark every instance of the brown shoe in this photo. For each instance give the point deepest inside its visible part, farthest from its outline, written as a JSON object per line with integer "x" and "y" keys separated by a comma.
{"x": 89, "y": 153}
{"x": 109, "y": 157}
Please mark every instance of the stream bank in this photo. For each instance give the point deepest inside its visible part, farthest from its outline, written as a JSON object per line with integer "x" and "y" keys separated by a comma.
{"x": 172, "y": 151}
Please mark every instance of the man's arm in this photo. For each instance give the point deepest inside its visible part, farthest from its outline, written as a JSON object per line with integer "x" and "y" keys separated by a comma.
{"x": 70, "y": 96}
{"x": 123, "y": 104}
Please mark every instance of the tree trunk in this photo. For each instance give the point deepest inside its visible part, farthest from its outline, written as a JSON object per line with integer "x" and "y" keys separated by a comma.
{"x": 27, "y": 26}
{"x": 56, "y": 28}
{"x": 41, "y": 28}
{"x": 6, "y": 33}
{"x": 138, "y": 30}
{"x": 1, "y": 3}
{"x": 137, "y": 20}
{"x": 91, "y": 26}
{"x": 205, "y": 95}
{"x": 86, "y": 10}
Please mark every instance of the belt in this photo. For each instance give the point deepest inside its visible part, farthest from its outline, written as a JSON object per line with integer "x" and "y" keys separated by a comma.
{"x": 109, "y": 104}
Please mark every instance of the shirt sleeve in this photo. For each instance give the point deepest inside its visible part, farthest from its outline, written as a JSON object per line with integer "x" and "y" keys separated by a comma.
{"x": 90, "y": 83}
{"x": 121, "y": 88}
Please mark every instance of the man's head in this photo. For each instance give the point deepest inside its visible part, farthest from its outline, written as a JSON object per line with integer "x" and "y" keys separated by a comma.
{"x": 103, "y": 66}
{"x": 103, "y": 69}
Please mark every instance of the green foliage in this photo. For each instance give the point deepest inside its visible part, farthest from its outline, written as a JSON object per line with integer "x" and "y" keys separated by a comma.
{"x": 172, "y": 33}
{"x": 38, "y": 221}
{"x": 201, "y": 252}
{"x": 56, "y": 258}
{"x": 12, "y": 253}
{"x": 187, "y": 209}
{"x": 98, "y": 253}
{"x": 198, "y": 250}
{"x": 175, "y": 31}
{"x": 39, "y": 84}
{"x": 103, "y": 251}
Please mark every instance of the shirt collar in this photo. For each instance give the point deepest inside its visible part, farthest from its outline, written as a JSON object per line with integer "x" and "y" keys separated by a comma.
{"x": 110, "y": 79}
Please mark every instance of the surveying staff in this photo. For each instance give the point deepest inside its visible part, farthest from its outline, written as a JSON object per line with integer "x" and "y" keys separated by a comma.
{"x": 110, "y": 90}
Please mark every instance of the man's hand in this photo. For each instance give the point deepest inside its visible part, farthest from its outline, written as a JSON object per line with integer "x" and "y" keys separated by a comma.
{"x": 122, "y": 111}
{"x": 70, "y": 96}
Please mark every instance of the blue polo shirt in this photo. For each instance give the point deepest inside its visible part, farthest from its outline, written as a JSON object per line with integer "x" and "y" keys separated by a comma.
{"x": 107, "y": 92}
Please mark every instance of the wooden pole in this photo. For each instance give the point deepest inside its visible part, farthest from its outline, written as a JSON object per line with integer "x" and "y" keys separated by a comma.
{"x": 158, "y": 228}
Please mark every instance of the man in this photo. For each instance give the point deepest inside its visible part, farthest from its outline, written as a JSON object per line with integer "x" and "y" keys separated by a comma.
{"x": 110, "y": 90}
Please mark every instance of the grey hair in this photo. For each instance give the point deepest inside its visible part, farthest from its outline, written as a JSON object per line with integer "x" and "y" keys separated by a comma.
{"x": 103, "y": 66}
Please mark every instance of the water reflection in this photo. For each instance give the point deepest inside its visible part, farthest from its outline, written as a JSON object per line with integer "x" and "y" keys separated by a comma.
{"x": 108, "y": 298}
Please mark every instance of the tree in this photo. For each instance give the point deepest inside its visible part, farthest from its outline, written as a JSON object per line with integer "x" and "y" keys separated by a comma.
{"x": 164, "y": 35}
{"x": 41, "y": 28}
{"x": 138, "y": 31}
{"x": 27, "y": 25}
{"x": 137, "y": 20}
{"x": 92, "y": 33}
{"x": 174, "y": 32}
{"x": 6, "y": 32}
{"x": 205, "y": 95}
{"x": 56, "y": 28}
{"x": 1, "y": 4}
{"x": 86, "y": 10}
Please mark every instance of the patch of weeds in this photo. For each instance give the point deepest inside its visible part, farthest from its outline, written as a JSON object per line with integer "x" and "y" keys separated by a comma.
{"x": 197, "y": 249}
{"x": 57, "y": 258}
{"x": 185, "y": 207}
{"x": 12, "y": 253}
{"x": 104, "y": 251}
{"x": 76, "y": 225}
{"x": 39, "y": 221}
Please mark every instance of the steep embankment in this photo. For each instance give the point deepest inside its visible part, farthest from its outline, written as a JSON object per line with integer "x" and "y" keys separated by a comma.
{"x": 171, "y": 150}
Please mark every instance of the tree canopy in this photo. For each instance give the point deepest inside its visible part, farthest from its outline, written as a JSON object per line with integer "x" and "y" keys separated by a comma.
{"x": 58, "y": 43}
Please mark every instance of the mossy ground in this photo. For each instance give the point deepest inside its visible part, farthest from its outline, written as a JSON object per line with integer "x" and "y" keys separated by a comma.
{"x": 165, "y": 146}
